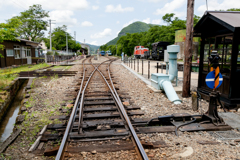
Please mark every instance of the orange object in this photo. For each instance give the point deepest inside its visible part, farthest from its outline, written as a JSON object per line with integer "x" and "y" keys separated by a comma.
{"x": 211, "y": 69}
{"x": 216, "y": 77}
{"x": 139, "y": 51}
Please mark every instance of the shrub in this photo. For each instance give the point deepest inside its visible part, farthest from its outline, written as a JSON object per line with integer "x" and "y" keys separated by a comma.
{"x": 49, "y": 53}
{"x": 56, "y": 53}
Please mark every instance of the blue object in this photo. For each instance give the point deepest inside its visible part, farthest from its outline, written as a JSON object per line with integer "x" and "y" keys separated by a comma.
{"x": 163, "y": 81}
{"x": 173, "y": 51}
{"x": 102, "y": 53}
{"x": 210, "y": 79}
{"x": 109, "y": 53}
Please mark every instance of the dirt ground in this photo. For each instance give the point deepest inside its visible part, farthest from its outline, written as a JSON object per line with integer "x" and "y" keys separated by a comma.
{"x": 48, "y": 94}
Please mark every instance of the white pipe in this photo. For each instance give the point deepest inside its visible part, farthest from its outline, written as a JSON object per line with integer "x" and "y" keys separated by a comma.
{"x": 167, "y": 85}
{"x": 170, "y": 92}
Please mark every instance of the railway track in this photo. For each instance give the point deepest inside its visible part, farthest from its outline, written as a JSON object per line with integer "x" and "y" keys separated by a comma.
{"x": 98, "y": 115}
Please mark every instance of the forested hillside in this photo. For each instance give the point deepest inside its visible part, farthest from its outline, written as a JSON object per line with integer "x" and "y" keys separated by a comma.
{"x": 135, "y": 27}
{"x": 155, "y": 33}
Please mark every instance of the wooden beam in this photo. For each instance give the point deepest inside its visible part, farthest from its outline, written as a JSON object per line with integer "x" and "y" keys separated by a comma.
{"x": 188, "y": 50}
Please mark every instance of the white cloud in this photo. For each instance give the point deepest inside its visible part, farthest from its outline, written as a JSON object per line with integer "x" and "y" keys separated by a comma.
{"x": 170, "y": 7}
{"x": 118, "y": 8}
{"x": 155, "y": 1}
{"x": 216, "y": 5}
{"x": 118, "y": 32}
{"x": 51, "y": 5}
{"x": 63, "y": 17}
{"x": 13, "y": 15}
{"x": 130, "y": 22}
{"x": 106, "y": 32}
{"x": 156, "y": 21}
{"x": 117, "y": 22}
{"x": 147, "y": 20}
{"x": 95, "y": 7}
{"x": 94, "y": 43}
{"x": 86, "y": 24}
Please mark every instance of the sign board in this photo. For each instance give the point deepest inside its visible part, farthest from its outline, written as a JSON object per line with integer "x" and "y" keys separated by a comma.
{"x": 210, "y": 79}
{"x": 180, "y": 36}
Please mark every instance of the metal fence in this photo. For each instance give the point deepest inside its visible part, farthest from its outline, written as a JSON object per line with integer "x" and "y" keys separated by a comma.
{"x": 57, "y": 59}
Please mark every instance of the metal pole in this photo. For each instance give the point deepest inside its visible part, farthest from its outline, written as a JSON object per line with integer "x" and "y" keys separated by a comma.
{"x": 50, "y": 36}
{"x": 148, "y": 69}
{"x": 50, "y": 22}
{"x": 157, "y": 67}
{"x": 167, "y": 68}
{"x": 66, "y": 44}
{"x": 131, "y": 62}
{"x": 134, "y": 63}
{"x": 142, "y": 66}
{"x": 161, "y": 67}
{"x": 138, "y": 65}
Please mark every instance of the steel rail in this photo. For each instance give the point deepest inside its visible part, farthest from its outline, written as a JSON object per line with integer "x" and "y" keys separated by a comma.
{"x": 83, "y": 94}
{"x": 116, "y": 97}
{"x": 74, "y": 110}
{"x": 82, "y": 97}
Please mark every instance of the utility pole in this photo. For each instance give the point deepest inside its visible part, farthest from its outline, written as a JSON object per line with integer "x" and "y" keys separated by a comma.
{"x": 75, "y": 36}
{"x": 50, "y": 22}
{"x": 188, "y": 50}
{"x": 66, "y": 44}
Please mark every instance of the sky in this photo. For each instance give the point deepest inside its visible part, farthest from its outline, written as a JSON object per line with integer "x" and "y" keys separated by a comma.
{"x": 99, "y": 21}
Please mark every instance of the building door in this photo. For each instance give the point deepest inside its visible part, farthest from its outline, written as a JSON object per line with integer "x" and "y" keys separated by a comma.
{"x": 29, "y": 56}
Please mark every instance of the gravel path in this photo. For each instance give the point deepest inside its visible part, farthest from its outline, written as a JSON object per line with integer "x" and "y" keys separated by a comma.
{"x": 47, "y": 96}
{"x": 157, "y": 104}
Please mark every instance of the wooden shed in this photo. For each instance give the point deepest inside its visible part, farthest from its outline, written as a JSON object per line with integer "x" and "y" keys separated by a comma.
{"x": 19, "y": 52}
{"x": 220, "y": 31}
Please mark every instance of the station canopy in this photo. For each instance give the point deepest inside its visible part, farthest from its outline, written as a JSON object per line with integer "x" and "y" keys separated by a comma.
{"x": 217, "y": 23}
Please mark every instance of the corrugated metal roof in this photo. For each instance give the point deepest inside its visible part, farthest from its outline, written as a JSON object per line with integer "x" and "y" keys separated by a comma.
{"x": 24, "y": 40}
{"x": 232, "y": 18}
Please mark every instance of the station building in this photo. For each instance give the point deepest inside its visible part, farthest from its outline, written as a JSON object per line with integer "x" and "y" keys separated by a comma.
{"x": 19, "y": 52}
{"x": 220, "y": 31}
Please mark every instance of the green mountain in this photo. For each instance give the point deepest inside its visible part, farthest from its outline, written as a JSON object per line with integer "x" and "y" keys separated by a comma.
{"x": 135, "y": 27}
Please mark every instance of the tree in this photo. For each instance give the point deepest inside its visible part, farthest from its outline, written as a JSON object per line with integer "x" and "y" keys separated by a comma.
{"x": 156, "y": 33}
{"x": 33, "y": 22}
{"x": 234, "y": 9}
{"x": 59, "y": 40}
{"x": 103, "y": 48}
{"x": 168, "y": 17}
{"x": 77, "y": 47}
{"x": 8, "y": 31}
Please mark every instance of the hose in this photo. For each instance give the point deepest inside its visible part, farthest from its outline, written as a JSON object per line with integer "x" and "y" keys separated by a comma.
{"x": 151, "y": 120}
{"x": 176, "y": 130}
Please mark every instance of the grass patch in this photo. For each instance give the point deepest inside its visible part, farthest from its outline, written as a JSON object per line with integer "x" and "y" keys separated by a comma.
{"x": 23, "y": 68}
{"x": 9, "y": 74}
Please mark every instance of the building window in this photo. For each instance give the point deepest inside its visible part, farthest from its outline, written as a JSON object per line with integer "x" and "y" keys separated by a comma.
{"x": 28, "y": 52}
{"x": 24, "y": 52}
{"x": 36, "y": 52}
{"x": 17, "y": 52}
{"x": 9, "y": 52}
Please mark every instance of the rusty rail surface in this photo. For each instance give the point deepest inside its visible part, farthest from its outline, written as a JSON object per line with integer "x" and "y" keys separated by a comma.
{"x": 79, "y": 103}
{"x": 74, "y": 111}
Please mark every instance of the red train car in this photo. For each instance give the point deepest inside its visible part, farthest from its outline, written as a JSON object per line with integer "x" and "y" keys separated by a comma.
{"x": 139, "y": 51}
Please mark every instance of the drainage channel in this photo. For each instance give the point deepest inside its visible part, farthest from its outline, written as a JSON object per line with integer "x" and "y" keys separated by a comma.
{"x": 8, "y": 122}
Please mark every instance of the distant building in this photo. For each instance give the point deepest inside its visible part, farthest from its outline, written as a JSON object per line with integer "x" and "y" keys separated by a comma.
{"x": 85, "y": 46}
{"x": 180, "y": 37}
{"x": 19, "y": 52}
{"x": 43, "y": 45}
